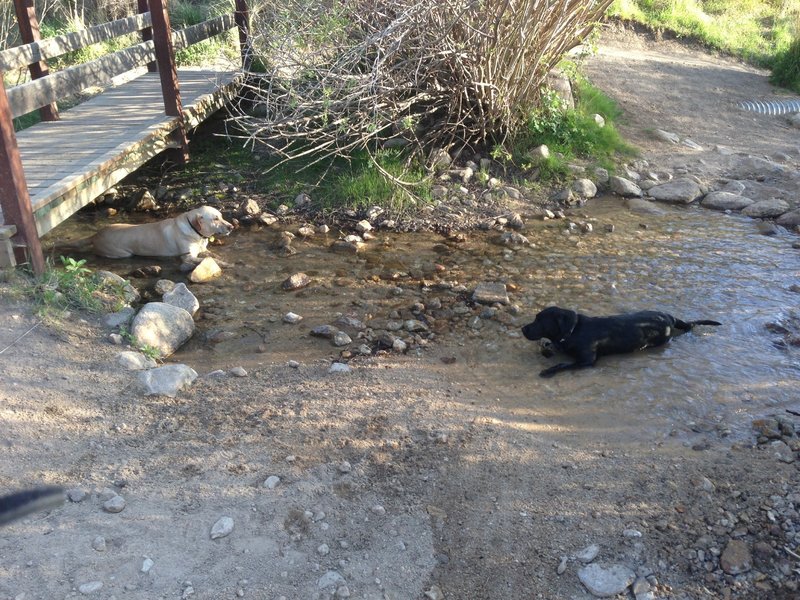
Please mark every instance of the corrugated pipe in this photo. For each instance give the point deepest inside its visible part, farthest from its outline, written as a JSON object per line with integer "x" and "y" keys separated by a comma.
{"x": 771, "y": 107}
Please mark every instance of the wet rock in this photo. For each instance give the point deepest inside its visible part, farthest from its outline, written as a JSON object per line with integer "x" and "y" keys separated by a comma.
{"x": 767, "y": 228}
{"x": 207, "y": 270}
{"x": 681, "y": 190}
{"x": 134, "y": 361}
{"x": 769, "y": 428}
{"x": 512, "y": 238}
{"x": 585, "y": 188}
{"x": 181, "y": 297}
{"x": 643, "y": 207}
{"x": 606, "y": 582}
{"x": 725, "y": 201}
{"x": 773, "y": 207}
{"x": 624, "y": 187}
{"x": 736, "y": 558}
{"x": 296, "y": 282}
{"x": 790, "y": 219}
{"x": 490, "y": 293}
{"x": 222, "y": 528}
{"x": 166, "y": 381}
{"x": 162, "y": 326}
{"x": 347, "y": 247}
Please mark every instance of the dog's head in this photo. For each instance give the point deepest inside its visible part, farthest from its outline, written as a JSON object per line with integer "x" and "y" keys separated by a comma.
{"x": 553, "y": 323}
{"x": 208, "y": 221}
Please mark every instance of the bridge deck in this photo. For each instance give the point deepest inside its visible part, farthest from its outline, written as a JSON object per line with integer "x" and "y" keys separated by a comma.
{"x": 94, "y": 145}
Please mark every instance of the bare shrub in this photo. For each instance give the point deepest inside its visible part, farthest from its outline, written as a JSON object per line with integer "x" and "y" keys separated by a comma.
{"x": 350, "y": 75}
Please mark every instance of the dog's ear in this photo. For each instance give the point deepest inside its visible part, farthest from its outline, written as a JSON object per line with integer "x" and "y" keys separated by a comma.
{"x": 198, "y": 223}
{"x": 566, "y": 321}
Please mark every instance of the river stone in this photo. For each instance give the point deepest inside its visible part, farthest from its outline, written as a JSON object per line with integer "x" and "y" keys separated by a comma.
{"x": 679, "y": 190}
{"x": 588, "y": 554}
{"x": 643, "y": 207}
{"x": 623, "y": 187}
{"x": 296, "y": 282}
{"x": 181, "y": 297}
{"x": 90, "y": 588}
{"x": 166, "y": 381}
{"x": 120, "y": 318}
{"x": 207, "y": 270}
{"x": 736, "y": 558}
{"x": 163, "y": 286}
{"x": 725, "y": 201}
{"x": 766, "y": 208}
{"x": 585, "y": 188}
{"x": 606, "y": 582}
{"x": 734, "y": 186}
{"x": 114, "y": 505}
{"x": 222, "y": 528}
{"x": 490, "y": 293}
{"x": 163, "y": 326}
{"x": 790, "y": 219}
{"x": 134, "y": 361}
{"x": 340, "y": 338}
{"x": 129, "y": 293}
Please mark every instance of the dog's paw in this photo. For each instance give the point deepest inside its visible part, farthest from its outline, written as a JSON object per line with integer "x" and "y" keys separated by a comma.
{"x": 548, "y": 372}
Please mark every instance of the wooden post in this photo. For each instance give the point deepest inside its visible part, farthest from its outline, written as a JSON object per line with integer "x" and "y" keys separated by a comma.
{"x": 29, "y": 33}
{"x": 168, "y": 71}
{"x": 14, "y": 198}
{"x": 242, "y": 16}
{"x": 147, "y": 32}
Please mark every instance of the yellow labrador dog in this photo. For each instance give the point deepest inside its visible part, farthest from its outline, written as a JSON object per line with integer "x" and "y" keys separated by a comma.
{"x": 184, "y": 235}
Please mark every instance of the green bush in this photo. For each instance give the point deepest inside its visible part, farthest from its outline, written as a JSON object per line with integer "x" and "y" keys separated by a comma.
{"x": 786, "y": 68}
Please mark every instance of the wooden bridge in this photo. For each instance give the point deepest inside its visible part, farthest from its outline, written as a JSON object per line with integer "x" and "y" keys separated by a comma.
{"x": 52, "y": 169}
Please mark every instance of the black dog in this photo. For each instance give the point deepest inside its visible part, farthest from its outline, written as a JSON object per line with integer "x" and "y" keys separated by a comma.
{"x": 585, "y": 338}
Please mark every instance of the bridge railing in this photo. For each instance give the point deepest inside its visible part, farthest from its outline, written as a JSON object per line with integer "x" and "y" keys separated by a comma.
{"x": 156, "y": 51}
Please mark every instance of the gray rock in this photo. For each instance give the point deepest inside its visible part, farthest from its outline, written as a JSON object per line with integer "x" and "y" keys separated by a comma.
{"x": 766, "y": 208}
{"x": 725, "y": 201}
{"x": 296, "y": 282}
{"x": 90, "y": 587}
{"x": 222, "y": 528}
{"x": 601, "y": 175}
{"x": 767, "y": 228}
{"x": 666, "y": 136}
{"x": 134, "y": 361}
{"x": 292, "y": 318}
{"x": 107, "y": 278}
{"x": 681, "y": 190}
{"x": 181, "y": 297}
{"x": 692, "y": 144}
{"x": 643, "y": 207}
{"x": 606, "y": 582}
{"x": 624, "y": 187}
{"x": 76, "y": 495}
{"x": 324, "y": 331}
{"x": 413, "y": 325}
{"x": 163, "y": 286}
{"x": 272, "y": 482}
{"x": 340, "y": 338}
{"x": 736, "y": 558}
{"x": 338, "y": 367}
{"x": 114, "y": 505}
{"x": 734, "y": 186}
{"x": 790, "y": 219}
{"x": 99, "y": 543}
{"x": 490, "y": 293}
{"x": 147, "y": 564}
{"x": 238, "y": 372}
{"x": 165, "y": 381}
{"x": 588, "y": 554}
{"x": 162, "y": 326}
{"x": 331, "y": 579}
{"x": 121, "y": 318}
{"x": 585, "y": 188}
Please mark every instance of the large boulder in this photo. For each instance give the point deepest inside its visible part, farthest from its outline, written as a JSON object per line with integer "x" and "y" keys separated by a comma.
{"x": 766, "y": 209}
{"x": 790, "y": 219}
{"x": 725, "y": 201}
{"x": 162, "y": 326}
{"x": 624, "y": 187}
{"x": 681, "y": 190}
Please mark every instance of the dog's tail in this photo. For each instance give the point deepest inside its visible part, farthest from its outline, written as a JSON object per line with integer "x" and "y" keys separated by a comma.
{"x": 82, "y": 245}
{"x": 687, "y": 325}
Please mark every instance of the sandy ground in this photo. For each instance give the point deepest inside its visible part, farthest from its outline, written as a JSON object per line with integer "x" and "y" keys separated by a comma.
{"x": 405, "y": 479}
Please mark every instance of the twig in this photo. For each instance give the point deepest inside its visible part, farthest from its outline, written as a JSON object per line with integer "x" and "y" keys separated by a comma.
{"x": 790, "y": 553}
{"x": 20, "y": 337}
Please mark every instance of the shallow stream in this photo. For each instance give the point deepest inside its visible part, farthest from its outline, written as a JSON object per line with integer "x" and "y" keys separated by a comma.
{"x": 690, "y": 262}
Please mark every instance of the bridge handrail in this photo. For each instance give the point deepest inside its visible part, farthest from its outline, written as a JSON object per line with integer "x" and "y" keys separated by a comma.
{"x": 34, "y": 94}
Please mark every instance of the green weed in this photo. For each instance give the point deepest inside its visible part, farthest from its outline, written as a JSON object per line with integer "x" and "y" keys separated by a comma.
{"x": 146, "y": 349}
{"x": 786, "y": 69}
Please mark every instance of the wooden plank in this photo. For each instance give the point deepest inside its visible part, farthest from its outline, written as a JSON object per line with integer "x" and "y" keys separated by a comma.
{"x": 22, "y": 56}
{"x": 147, "y": 32}
{"x": 29, "y": 96}
{"x": 182, "y": 38}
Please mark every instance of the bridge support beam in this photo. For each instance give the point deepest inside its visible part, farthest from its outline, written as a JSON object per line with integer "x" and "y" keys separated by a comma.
{"x": 14, "y": 198}
{"x": 29, "y": 33}
{"x": 242, "y": 16}
{"x": 168, "y": 72}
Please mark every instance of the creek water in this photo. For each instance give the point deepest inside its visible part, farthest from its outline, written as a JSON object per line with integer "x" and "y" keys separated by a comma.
{"x": 692, "y": 263}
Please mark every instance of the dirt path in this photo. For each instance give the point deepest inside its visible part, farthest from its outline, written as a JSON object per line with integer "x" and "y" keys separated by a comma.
{"x": 406, "y": 478}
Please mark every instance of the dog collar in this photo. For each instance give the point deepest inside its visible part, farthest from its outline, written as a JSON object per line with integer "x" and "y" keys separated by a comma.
{"x": 569, "y": 333}
{"x": 195, "y": 228}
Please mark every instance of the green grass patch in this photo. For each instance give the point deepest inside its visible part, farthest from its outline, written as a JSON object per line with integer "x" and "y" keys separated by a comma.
{"x": 572, "y": 133}
{"x": 755, "y": 30}
{"x": 69, "y": 286}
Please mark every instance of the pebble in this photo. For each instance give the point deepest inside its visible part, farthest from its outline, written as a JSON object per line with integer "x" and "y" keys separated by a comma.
{"x": 338, "y": 367}
{"x": 238, "y": 372}
{"x": 345, "y": 467}
{"x": 736, "y": 558}
{"x": 295, "y": 282}
{"x": 323, "y": 550}
{"x": 606, "y": 582}
{"x": 147, "y": 564}
{"x": 222, "y": 528}
{"x": 293, "y": 364}
{"x": 292, "y": 318}
{"x": 434, "y": 593}
{"x": 562, "y": 566}
{"x": 272, "y": 482}
{"x": 76, "y": 495}
{"x": 340, "y": 338}
{"x": 378, "y": 510}
{"x": 588, "y": 554}
{"x": 99, "y": 543}
{"x": 114, "y": 505}
{"x": 632, "y": 533}
{"x": 330, "y": 579}
{"x": 90, "y": 587}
